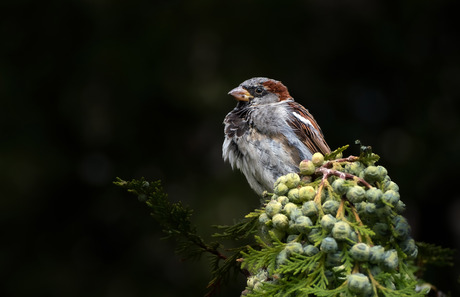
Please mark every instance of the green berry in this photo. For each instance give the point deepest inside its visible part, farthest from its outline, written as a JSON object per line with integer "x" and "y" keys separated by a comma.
{"x": 283, "y": 200}
{"x": 328, "y": 222}
{"x": 278, "y": 233}
{"x": 310, "y": 250}
{"x": 281, "y": 189}
{"x": 409, "y": 248}
{"x": 354, "y": 168}
{"x": 292, "y": 237}
{"x": 288, "y": 208}
{"x": 392, "y": 186}
{"x": 358, "y": 283}
{"x": 370, "y": 208}
{"x": 331, "y": 207}
{"x": 339, "y": 186}
{"x": 391, "y": 197}
{"x": 382, "y": 211}
{"x": 375, "y": 269}
{"x": 400, "y": 207}
{"x": 314, "y": 233}
{"x": 310, "y": 208}
{"x": 264, "y": 219}
{"x": 355, "y": 194}
{"x": 295, "y": 213}
{"x": 376, "y": 254}
{"x": 293, "y": 180}
{"x": 390, "y": 259}
{"x": 303, "y": 224}
{"x": 281, "y": 180}
{"x": 272, "y": 208}
{"x": 334, "y": 259}
{"x": 353, "y": 236}
{"x": 307, "y": 167}
{"x": 306, "y": 193}
{"x": 317, "y": 159}
{"x": 280, "y": 221}
{"x": 360, "y": 252}
{"x": 341, "y": 230}
{"x": 282, "y": 258}
{"x": 381, "y": 229}
{"x": 329, "y": 245}
{"x": 401, "y": 227}
{"x": 294, "y": 248}
{"x": 372, "y": 174}
{"x": 293, "y": 195}
{"x": 382, "y": 172}
{"x": 373, "y": 195}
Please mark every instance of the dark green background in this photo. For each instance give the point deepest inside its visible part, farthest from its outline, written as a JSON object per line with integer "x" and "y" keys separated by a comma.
{"x": 91, "y": 90}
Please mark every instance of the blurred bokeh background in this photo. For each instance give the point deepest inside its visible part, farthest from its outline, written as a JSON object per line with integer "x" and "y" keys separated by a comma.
{"x": 92, "y": 90}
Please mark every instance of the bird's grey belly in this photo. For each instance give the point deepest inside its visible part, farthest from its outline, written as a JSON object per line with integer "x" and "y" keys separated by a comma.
{"x": 265, "y": 159}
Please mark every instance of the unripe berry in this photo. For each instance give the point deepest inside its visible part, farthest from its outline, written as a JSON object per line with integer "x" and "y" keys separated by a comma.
{"x": 355, "y": 194}
{"x": 354, "y": 168}
{"x": 331, "y": 207}
{"x": 373, "y": 195}
{"x": 370, "y": 208}
{"x": 307, "y": 167}
{"x": 278, "y": 233}
{"x": 293, "y": 195}
{"x": 280, "y": 221}
{"x": 329, "y": 245}
{"x": 281, "y": 189}
{"x": 281, "y": 180}
{"x": 381, "y": 229}
{"x": 392, "y": 186}
{"x": 401, "y": 228}
{"x": 293, "y": 180}
{"x": 341, "y": 230}
{"x": 409, "y": 248}
{"x": 328, "y": 222}
{"x": 334, "y": 259}
{"x": 339, "y": 186}
{"x": 295, "y": 213}
{"x": 283, "y": 200}
{"x": 317, "y": 159}
{"x": 264, "y": 219}
{"x": 272, "y": 208}
{"x": 360, "y": 252}
{"x": 303, "y": 224}
{"x": 292, "y": 237}
{"x": 309, "y": 208}
{"x": 372, "y": 174}
{"x": 282, "y": 258}
{"x": 294, "y": 248}
{"x": 400, "y": 207}
{"x": 391, "y": 197}
{"x": 313, "y": 234}
{"x": 390, "y": 259}
{"x": 306, "y": 193}
{"x": 382, "y": 172}
{"x": 310, "y": 250}
{"x": 376, "y": 254}
{"x": 288, "y": 208}
{"x": 358, "y": 283}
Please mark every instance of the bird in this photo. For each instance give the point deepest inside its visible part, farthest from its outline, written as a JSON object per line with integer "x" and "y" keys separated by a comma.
{"x": 268, "y": 134}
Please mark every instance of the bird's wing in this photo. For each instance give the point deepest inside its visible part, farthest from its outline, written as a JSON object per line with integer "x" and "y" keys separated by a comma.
{"x": 307, "y": 129}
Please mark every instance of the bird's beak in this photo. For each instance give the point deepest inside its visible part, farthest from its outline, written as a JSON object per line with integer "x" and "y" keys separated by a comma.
{"x": 240, "y": 94}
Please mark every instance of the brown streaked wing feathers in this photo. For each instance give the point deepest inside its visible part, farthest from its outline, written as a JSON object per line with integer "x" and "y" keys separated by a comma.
{"x": 315, "y": 143}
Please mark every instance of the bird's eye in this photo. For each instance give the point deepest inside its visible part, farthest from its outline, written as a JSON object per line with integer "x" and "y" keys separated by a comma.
{"x": 259, "y": 90}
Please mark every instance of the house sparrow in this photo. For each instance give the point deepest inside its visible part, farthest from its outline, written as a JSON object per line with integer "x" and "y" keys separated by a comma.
{"x": 268, "y": 134}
